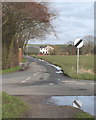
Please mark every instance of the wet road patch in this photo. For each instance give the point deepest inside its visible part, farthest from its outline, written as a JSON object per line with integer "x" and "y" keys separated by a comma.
{"x": 88, "y": 104}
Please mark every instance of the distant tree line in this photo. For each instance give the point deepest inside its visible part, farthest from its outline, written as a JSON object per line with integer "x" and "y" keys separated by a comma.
{"x": 88, "y": 48}
{"x": 69, "y": 49}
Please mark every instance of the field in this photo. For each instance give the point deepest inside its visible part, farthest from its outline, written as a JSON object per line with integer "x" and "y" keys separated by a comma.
{"x": 68, "y": 65}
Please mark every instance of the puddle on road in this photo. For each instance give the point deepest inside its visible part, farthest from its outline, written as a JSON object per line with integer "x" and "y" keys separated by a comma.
{"x": 87, "y": 102}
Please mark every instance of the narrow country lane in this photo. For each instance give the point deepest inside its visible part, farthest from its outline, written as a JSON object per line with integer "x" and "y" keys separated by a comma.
{"x": 43, "y": 79}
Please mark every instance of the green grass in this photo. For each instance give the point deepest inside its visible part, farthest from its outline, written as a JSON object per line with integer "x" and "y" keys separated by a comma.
{"x": 79, "y": 115}
{"x": 17, "y": 68}
{"x": 59, "y": 45}
{"x": 68, "y": 65}
{"x": 12, "y": 107}
{"x": 24, "y": 60}
{"x": 0, "y": 105}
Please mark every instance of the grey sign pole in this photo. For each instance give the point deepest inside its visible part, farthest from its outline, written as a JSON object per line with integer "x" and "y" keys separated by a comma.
{"x": 77, "y": 60}
{"x": 78, "y": 43}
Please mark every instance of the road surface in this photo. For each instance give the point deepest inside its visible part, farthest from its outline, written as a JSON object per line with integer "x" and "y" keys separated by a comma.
{"x": 41, "y": 78}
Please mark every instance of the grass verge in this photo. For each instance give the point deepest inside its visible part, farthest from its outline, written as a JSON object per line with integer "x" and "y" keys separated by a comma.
{"x": 79, "y": 115}
{"x": 12, "y": 107}
{"x": 0, "y": 105}
{"x": 68, "y": 65}
{"x": 24, "y": 60}
{"x": 17, "y": 68}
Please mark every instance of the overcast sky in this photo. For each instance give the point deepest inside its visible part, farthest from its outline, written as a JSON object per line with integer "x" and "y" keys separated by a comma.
{"x": 75, "y": 19}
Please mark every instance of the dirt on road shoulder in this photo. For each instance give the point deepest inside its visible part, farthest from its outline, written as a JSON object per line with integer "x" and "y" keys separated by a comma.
{"x": 40, "y": 109}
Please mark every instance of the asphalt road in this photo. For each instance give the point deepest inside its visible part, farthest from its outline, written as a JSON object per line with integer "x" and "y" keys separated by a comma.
{"x": 41, "y": 78}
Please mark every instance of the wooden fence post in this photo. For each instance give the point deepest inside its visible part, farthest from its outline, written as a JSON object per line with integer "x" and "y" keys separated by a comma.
{"x": 20, "y": 55}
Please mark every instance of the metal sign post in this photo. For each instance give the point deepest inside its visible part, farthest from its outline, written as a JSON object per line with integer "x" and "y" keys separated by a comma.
{"x": 78, "y": 43}
{"x": 77, "y": 60}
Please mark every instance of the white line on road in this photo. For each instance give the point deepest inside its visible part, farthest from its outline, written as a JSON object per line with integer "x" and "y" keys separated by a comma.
{"x": 36, "y": 73}
{"x": 74, "y": 82}
{"x": 59, "y": 83}
{"x": 79, "y": 83}
{"x": 30, "y": 77}
{"x": 26, "y": 79}
{"x": 59, "y": 80}
{"x": 68, "y": 81}
{"x": 51, "y": 83}
{"x": 92, "y": 83}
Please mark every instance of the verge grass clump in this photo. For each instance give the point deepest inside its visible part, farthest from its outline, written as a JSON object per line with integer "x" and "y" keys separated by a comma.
{"x": 17, "y": 68}
{"x": 14, "y": 69}
{"x": 12, "y": 106}
{"x": 83, "y": 115}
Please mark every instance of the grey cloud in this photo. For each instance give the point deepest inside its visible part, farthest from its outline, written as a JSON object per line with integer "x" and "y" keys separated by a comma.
{"x": 74, "y": 20}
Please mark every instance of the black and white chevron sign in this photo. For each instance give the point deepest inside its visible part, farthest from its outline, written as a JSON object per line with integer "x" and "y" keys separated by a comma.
{"x": 78, "y": 43}
{"x": 77, "y": 104}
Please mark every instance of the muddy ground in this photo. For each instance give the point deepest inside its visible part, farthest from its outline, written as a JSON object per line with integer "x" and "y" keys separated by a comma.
{"x": 41, "y": 108}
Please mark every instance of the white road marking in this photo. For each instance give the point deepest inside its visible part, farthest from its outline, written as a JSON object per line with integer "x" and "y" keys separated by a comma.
{"x": 36, "y": 73}
{"x": 23, "y": 81}
{"x": 26, "y": 79}
{"x": 59, "y": 80}
{"x": 79, "y": 83}
{"x": 51, "y": 83}
{"x": 92, "y": 83}
{"x": 74, "y": 82}
{"x": 68, "y": 81}
{"x": 29, "y": 77}
{"x": 59, "y": 83}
